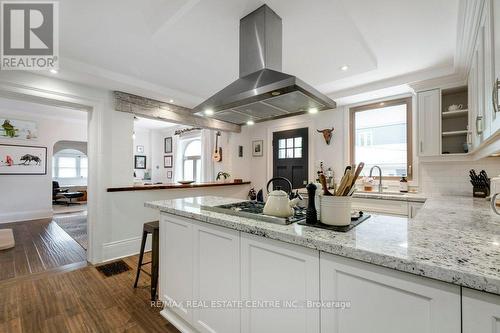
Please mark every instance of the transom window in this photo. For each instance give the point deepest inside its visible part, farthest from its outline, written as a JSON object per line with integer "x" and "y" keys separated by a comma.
{"x": 381, "y": 135}
{"x": 290, "y": 148}
{"x": 191, "y": 167}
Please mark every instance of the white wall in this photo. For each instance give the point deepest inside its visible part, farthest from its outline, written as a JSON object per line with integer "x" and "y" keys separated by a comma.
{"x": 26, "y": 197}
{"x": 143, "y": 138}
{"x": 159, "y": 172}
{"x": 259, "y": 169}
{"x": 452, "y": 178}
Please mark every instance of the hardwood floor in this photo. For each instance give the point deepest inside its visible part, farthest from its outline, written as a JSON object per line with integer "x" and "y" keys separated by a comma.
{"x": 80, "y": 301}
{"x": 41, "y": 245}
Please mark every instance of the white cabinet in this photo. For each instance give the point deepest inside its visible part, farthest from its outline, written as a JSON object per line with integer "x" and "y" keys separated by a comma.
{"x": 384, "y": 300}
{"x": 495, "y": 19}
{"x": 413, "y": 208}
{"x": 273, "y": 270}
{"x": 382, "y": 206}
{"x": 216, "y": 278}
{"x": 480, "y": 312}
{"x": 176, "y": 263}
{"x": 429, "y": 122}
{"x": 199, "y": 264}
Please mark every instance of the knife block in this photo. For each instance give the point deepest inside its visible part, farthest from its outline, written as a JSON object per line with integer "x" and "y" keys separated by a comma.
{"x": 480, "y": 191}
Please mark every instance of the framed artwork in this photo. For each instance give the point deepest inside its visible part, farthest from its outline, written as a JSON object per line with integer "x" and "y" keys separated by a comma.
{"x": 168, "y": 161}
{"x": 23, "y": 160}
{"x": 258, "y": 148}
{"x": 18, "y": 129}
{"x": 168, "y": 145}
{"x": 139, "y": 162}
{"x": 169, "y": 174}
{"x": 240, "y": 151}
{"x": 140, "y": 149}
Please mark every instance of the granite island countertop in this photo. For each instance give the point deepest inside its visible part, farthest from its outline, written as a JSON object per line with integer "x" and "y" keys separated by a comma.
{"x": 452, "y": 239}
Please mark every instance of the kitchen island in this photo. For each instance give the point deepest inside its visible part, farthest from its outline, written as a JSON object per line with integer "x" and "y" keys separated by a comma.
{"x": 425, "y": 274}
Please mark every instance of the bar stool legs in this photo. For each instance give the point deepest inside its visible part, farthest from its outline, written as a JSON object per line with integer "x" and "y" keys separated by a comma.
{"x": 154, "y": 229}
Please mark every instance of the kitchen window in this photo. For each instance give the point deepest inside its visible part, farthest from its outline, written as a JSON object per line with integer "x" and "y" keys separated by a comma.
{"x": 380, "y": 134}
{"x": 191, "y": 165}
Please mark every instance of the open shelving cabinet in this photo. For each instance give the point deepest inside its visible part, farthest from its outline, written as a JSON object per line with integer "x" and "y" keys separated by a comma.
{"x": 454, "y": 121}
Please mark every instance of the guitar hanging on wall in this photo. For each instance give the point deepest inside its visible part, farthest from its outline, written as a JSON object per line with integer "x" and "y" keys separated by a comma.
{"x": 217, "y": 155}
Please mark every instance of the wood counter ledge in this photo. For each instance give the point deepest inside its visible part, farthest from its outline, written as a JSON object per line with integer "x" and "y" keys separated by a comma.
{"x": 171, "y": 186}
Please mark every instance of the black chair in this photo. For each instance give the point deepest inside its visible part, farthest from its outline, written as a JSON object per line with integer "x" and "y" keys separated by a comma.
{"x": 154, "y": 229}
{"x": 59, "y": 193}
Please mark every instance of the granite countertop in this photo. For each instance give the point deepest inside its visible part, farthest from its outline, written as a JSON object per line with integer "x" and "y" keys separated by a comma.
{"x": 452, "y": 239}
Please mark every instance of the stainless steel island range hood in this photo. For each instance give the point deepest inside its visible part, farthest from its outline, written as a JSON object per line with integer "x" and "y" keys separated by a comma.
{"x": 262, "y": 92}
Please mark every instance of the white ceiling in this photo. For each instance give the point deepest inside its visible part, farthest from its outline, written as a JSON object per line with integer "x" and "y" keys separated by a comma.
{"x": 145, "y": 123}
{"x": 188, "y": 50}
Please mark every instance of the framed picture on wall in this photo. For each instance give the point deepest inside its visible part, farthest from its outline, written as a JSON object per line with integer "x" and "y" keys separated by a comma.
{"x": 169, "y": 174}
{"x": 168, "y": 145}
{"x": 258, "y": 148}
{"x": 18, "y": 129}
{"x": 139, "y": 162}
{"x": 140, "y": 149}
{"x": 23, "y": 160}
{"x": 168, "y": 161}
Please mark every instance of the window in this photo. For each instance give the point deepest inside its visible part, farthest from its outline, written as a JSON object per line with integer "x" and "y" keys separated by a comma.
{"x": 381, "y": 135}
{"x": 290, "y": 148}
{"x": 191, "y": 167}
{"x": 69, "y": 164}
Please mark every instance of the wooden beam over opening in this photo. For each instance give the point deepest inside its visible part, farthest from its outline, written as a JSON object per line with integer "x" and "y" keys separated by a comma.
{"x": 153, "y": 109}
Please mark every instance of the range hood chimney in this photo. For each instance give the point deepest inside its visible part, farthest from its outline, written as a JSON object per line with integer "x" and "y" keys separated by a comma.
{"x": 262, "y": 91}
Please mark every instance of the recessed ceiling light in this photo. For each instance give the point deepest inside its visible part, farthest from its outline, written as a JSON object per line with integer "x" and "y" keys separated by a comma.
{"x": 382, "y": 104}
{"x": 171, "y": 101}
{"x": 344, "y": 68}
{"x": 209, "y": 112}
{"x": 53, "y": 71}
{"x": 313, "y": 110}
{"x": 275, "y": 93}
{"x": 250, "y": 122}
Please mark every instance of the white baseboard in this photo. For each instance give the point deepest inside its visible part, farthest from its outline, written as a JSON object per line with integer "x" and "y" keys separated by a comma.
{"x": 25, "y": 215}
{"x": 177, "y": 321}
{"x": 123, "y": 248}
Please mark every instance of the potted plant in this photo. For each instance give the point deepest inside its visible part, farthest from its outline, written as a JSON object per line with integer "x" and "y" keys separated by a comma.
{"x": 222, "y": 176}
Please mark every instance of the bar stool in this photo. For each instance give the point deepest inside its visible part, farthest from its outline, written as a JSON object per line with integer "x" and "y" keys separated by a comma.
{"x": 154, "y": 229}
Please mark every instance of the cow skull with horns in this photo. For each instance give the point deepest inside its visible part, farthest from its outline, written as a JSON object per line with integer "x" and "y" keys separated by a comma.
{"x": 327, "y": 134}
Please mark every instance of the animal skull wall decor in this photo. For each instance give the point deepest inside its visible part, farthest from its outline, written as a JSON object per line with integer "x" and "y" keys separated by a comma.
{"x": 327, "y": 134}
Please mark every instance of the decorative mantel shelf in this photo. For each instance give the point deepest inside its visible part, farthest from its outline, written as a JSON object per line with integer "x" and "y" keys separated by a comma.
{"x": 171, "y": 186}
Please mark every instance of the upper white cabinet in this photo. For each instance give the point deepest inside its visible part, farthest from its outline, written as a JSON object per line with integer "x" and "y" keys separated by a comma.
{"x": 429, "y": 122}
{"x": 384, "y": 300}
{"x": 495, "y": 22}
{"x": 273, "y": 270}
{"x": 480, "y": 312}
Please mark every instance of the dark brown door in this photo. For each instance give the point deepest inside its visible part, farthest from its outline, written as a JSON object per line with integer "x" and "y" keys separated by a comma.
{"x": 291, "y": 157}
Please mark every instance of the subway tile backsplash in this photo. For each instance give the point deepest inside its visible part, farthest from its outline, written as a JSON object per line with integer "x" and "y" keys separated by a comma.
{"x": 452, "y": 178}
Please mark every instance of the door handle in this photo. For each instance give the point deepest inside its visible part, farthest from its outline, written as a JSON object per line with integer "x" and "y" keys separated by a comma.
{"x": 421, "y": 146}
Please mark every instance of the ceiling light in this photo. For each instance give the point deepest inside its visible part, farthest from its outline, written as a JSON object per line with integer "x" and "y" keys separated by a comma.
{"x": 133, "y": 136}
{"x": 250, "y": 122}
{"x": 171, "y": 101}
{"x": 209, "y": 112}
{"x": 53, "y": 71}
{"x": 275, "y": 93}
{"x": 344, "y": 68}
{"x": 382, "y": 104}
{"x": 313, "y": 110}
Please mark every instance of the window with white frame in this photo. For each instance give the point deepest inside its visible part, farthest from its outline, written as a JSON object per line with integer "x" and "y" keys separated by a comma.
{"x": 191, "y": 160}
{"x": 70, "y": 167}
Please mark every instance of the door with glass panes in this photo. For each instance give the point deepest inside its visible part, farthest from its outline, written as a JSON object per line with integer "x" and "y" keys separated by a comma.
{"x": 291, "y": 157}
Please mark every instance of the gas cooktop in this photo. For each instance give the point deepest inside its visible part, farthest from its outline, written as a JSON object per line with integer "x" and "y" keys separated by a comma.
{"x": 254, "y": 210}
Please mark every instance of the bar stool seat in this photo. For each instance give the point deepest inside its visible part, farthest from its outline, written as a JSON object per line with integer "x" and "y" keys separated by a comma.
{"x": 154, "y": 229}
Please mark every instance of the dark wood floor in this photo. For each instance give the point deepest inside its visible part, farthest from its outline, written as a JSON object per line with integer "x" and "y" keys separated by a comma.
{"x": 80, "y": 301}
{"x": 41, "y": 245}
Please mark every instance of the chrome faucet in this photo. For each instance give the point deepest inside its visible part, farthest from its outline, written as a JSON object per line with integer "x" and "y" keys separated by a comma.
{"x": 380, "y": 179}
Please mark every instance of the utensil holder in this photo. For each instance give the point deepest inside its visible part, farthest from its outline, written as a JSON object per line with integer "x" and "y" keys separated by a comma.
{"x": 336, "y": 210}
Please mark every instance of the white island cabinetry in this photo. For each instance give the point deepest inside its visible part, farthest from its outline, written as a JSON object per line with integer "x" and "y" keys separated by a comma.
{"x": 480, "y": 312}
{"x": 384, "y": 300}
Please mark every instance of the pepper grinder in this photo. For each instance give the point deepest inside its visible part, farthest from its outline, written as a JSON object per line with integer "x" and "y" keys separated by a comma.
{"x": 311, "y": 213}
